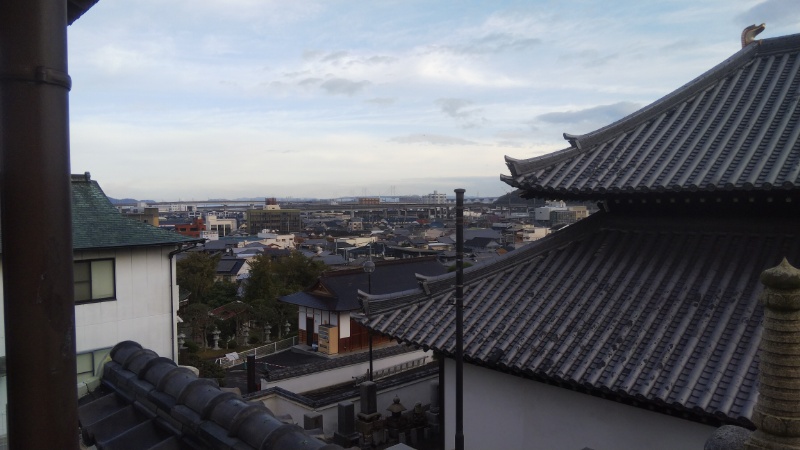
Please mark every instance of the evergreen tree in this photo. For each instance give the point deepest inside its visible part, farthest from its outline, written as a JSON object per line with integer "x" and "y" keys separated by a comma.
{"x": 270, "y": 279}
{"x": 195, "y": 273}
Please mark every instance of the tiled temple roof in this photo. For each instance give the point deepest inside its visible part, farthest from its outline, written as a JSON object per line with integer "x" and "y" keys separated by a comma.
{"x": 658, "y": 311}
{"x": 736, "y": 128}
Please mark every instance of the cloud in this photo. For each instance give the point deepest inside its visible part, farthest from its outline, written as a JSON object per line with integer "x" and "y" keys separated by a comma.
{"x": 342, "y": 86}
{"x": 497, "y": 43}
{"x": 514, "y": 144}
{"x": 455, "y": 107}
{"x": 433, "y": 139}
{"x": 309, "y": 81}
{"x": 458, "y": 108}
{"x": 603, "y": 114}
{"x": 381, "y": 101}
{"x": 772, "y": 12}
{"x": 335, "y": 57}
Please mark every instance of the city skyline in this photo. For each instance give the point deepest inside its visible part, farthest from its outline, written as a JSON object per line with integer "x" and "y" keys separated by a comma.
{"x": 334, "y": 99}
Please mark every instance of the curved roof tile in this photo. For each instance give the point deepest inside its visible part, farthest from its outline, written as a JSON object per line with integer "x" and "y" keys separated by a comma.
{"x": 663, "y": 310}
{"x": 737, "y": 125}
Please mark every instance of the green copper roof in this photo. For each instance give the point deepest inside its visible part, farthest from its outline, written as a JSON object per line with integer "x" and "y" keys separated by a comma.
{"x": 96, "y": 223}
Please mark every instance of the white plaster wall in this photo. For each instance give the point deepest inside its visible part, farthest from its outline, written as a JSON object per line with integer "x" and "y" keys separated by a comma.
{"x": 344, "y": 324}
{"x": 341, "y": 374}
{"x": 409, "y": 394}
{"x": 143, "y": 310}
{"x": 504, "y": 411}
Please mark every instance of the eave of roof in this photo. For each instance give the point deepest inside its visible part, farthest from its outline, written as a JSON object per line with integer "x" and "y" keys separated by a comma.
{"x": 97, "y": 224}
{"x": 660, "y": 309}
{"x": 77, "y": 8}
{"x": 344, "y": 285}
{"x": 703, "y": 136}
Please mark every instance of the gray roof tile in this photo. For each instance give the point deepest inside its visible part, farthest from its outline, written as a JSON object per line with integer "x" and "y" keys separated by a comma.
{"x": 96, "y": 223}
{"x": 659, "y": 309}
{"x": 736, "y": 127}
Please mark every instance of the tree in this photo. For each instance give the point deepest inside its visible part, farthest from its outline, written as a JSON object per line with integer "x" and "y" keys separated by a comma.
{"x": 221, "y": 293}
{"x": 196, "y": 272}
{"x": 270, "y": 279}
{"x": 198, "y": 318}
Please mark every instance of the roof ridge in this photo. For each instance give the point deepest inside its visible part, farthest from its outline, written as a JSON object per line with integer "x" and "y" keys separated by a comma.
{"x": 585, "y": 142}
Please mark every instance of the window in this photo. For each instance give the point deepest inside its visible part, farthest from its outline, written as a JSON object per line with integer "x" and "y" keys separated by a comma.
{"x": 94, "y": 280}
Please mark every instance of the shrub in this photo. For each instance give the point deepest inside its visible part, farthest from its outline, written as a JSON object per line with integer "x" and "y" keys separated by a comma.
{"x": 232, "y": 344}
{"x": 192, "y": 346}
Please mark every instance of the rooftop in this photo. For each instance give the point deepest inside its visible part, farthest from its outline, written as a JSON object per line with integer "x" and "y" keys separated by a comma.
{"x": 657, "y": 311}
{"x": 733, "y": 128}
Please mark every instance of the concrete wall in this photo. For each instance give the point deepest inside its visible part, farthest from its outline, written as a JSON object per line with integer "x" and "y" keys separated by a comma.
{"x": 504, "y": 411}
{"x": 342, "y": 374}
{"x": 143, "y": 310}
{"x": 409, "y": 394}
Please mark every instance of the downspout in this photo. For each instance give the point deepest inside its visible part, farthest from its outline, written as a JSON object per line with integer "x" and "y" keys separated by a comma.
{"x": 173, "y": 325}
{"x": 459, "y": 319}
{"x": 36, "y": 201}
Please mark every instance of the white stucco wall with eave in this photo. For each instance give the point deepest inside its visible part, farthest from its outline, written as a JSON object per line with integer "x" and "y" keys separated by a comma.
{"x": 344, "y": 374}
{"x": 504, "y": 411}
{"x": 143, "y": 310}
{"x": 409, "y": 394}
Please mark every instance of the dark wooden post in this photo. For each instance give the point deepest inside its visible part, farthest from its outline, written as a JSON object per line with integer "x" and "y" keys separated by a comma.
{"x": 35, "y": 200}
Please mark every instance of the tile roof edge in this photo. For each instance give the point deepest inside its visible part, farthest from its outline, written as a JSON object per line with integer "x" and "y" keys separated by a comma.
{"x": 586, "y": 142}
{"x": 436, "y": 285}
{"x": 155, "y": 244}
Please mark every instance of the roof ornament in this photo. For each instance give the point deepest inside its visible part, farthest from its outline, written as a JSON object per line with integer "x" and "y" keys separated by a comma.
{"x": 749, "y": 34}
{"x": 573, "y": 140}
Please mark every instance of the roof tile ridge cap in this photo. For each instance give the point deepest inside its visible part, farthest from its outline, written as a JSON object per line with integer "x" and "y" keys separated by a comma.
{"x": 520, "y": 166}
{"x": 777, "y": 44}
{"x": 388, "y": 296}
{"x": 667, "y": 102}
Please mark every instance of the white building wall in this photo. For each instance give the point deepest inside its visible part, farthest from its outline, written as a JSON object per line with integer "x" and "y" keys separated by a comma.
{"x": 409, "y": 394}
{"x": 504, "y": 411}
{"x": 143, "y": 310}
{"x": 344, "y": 374}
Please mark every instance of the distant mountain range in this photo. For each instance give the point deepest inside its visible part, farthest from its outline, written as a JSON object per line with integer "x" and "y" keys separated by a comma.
{"x": 116, "y": 201}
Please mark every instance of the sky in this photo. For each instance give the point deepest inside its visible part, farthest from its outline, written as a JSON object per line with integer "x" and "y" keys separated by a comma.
{"x": 199, "y": 99}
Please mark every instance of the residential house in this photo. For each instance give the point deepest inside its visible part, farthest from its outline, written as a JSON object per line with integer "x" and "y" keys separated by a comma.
{"x": 636, "y": 327}
{"x": 335, "y": 296}
{"x": 231, "y": 269}
{"x": 124, "y": 274}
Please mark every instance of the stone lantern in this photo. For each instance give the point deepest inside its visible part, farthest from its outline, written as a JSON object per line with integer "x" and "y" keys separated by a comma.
{"x": 216, "y": 333}
{"x": 394, "y": 423}
{"x": 181, "y": 341}
{"x": 287, "y": 327}
{"x": 267, "y": 331}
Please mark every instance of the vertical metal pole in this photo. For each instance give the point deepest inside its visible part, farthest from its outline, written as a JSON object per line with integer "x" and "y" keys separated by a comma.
{"x": 369, "y": 290}
{"x": 459, "y": 319}
{"x": 36, "y": 201}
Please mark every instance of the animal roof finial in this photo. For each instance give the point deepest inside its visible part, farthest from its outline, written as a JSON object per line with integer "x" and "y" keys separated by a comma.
{"x": 749, "y": 34}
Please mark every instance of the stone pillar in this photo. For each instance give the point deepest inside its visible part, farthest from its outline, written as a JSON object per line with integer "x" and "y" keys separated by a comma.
{"x": 369, "y": 397}
{"x": 345, "y": 434}
{"x": 369, "y": 419}
{"x": 777, "y": 411}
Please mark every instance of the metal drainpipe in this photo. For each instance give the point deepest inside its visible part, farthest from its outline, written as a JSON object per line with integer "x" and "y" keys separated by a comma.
{"x": 174, "y": 326}
{"x": 36, "y": 201}
{"x": 459, "y": 319}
